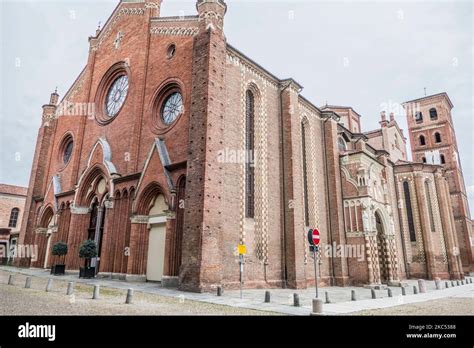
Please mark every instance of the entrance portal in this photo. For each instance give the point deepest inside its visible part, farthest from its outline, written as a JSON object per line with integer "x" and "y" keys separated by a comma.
{"x": 157, "y": 240}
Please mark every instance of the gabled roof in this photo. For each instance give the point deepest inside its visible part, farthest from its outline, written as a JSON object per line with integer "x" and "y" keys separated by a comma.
{"x": 340, "y": 107}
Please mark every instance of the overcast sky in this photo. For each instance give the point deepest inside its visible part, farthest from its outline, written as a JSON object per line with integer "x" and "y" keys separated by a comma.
{"x": 370, "y": 55}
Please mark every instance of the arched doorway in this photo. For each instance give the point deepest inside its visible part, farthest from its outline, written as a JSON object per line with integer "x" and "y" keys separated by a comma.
{"x": 382, "y": 249}
{"x": 95, "y": 231}
{"x": 157, "y": 239}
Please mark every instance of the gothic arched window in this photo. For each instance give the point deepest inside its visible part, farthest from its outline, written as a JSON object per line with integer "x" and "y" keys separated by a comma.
{"x": 249, "y": 163}
{"x": 341, "y": 143}
{"x": 433, "y": 114}
{"x": 430, "y": 207}
{"x": 443, "y": 159}
{"x": 13, "y": 217}
{"x": 437, "y": 137}
{"x": 304, "y": 126}
{"x": 422, "y": 140}
{"x": 408, "y": 207}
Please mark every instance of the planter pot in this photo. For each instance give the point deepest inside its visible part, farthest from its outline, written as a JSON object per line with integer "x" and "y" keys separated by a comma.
{"x": 87, "y": 272}
{"x": 58, "y": 269}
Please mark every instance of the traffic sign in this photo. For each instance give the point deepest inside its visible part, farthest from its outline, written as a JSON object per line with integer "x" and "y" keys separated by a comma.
{"x": 313, "y": 236}
{"x": 242, "y": 249}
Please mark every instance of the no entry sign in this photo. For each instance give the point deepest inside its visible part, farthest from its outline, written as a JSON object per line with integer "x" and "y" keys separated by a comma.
{"x": 313, "y": 236}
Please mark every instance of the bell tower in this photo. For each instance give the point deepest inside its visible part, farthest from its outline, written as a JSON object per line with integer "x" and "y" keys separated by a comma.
{"x": 433, "y": 141}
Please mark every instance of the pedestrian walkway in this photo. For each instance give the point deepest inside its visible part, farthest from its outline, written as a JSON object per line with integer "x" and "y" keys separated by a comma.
{"x": 281, "y": 300}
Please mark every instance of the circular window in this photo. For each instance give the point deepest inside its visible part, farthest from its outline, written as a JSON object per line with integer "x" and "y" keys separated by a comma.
{"x": 172, "y": 108}
{"x": 171, "y": 51}
{"x": 68, "y": 151}
{"x": 116, "y": 96}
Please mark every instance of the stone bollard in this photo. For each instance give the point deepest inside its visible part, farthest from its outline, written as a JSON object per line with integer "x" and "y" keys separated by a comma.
{"x": 327, "y": 297}
{"x": 296, "y": 300}
{"x": 70, "y": 288}
{"x": 389, "y": 292}
{"x": 11, "y": 278}
{"x": 317, "y": 306}
{"x": 353, "y": 295}
{"x": 220, "y": 291}
{"x": 129, "y": 298}
{"x": 28, "y": 283}
{"x": 422, "y": 285}
{"x": 267, "y": 296}
{"x": 374, "y": 295}
{"x": 446, "y": 284}
{"x": 96, "y": 293}
{"x": 49, "y": 286}
{"x": 404, "y": 291}
{"x": 415, "y": 290}
{"x": 438, "y": 284}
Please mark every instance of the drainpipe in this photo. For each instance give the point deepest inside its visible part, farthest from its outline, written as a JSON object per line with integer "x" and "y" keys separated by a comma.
{"x": 328, "y": 219}
{"x": 283, "y": 188}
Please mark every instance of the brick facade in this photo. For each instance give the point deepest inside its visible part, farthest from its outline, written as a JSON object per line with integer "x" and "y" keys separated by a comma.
{"x": 348, "y": 187}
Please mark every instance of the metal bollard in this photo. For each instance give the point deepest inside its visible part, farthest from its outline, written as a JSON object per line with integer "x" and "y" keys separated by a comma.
{"x": 452, "y": 283}
{"x": 457, "y": 282}
{"x": 267, "y": 296}
{"x": 220, "y": 291}
{"x": 353, "y": 295}
{"x": 70, "y": 288}
{"x": 28, "y": 283}
{"x": 296, "y": 300}
{"x": 404, "y": 291}
{"x": 438, "y": 284}
{"x": 317, "y": 306}
{"x": 422, "y": 286}
{"x": 49, "y": 286}
{"x": 446, "y": 284}
{"x": 374, "y": 295}
{"x": 10, "y": 279}
{"x": 415, "y": 290}
{"x": 129, "y": 298}
{"x": 389, "y": 292}
{"x": 327, "y": 297}
{"x": 96, "y": 294}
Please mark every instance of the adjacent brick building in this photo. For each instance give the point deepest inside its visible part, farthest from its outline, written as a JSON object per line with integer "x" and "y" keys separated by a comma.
{"x": 12, "y": 206}
{"x": 172, "y": 147}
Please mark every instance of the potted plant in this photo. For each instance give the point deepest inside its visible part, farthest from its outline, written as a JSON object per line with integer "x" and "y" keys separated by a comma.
{"x": 87, "y": 251}
{"x": 59, "y": 249}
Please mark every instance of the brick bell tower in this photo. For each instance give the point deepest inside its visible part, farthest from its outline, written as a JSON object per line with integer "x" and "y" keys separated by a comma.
{"x": 433, "y": 141}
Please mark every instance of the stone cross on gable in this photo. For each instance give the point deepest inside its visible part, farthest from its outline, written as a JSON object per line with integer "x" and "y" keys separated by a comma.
{"x": 118, "y": 39}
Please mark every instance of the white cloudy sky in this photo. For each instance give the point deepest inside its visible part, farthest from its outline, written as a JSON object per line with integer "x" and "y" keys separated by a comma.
{"x": 365, "y": 54}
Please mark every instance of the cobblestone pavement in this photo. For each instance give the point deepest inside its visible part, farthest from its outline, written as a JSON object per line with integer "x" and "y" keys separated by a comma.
{"x": 282, "y": 299}
{"x": 16, "y": 300}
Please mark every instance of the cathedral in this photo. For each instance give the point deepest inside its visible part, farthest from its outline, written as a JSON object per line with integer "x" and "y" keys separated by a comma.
{"x": 172, "y": 148}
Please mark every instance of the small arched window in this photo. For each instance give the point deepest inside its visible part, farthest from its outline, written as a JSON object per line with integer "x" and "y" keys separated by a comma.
{"x": 13, "y": 217}
{"x": 443, "y": 160}
{"x": 422, "y": 140}
{"x": 423, "y": 159}
{"x": 433, "y": 114}
{"x": 418, "y": 117}
{"x": 341, "y": 143}
{"x": 437, "y": 137}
